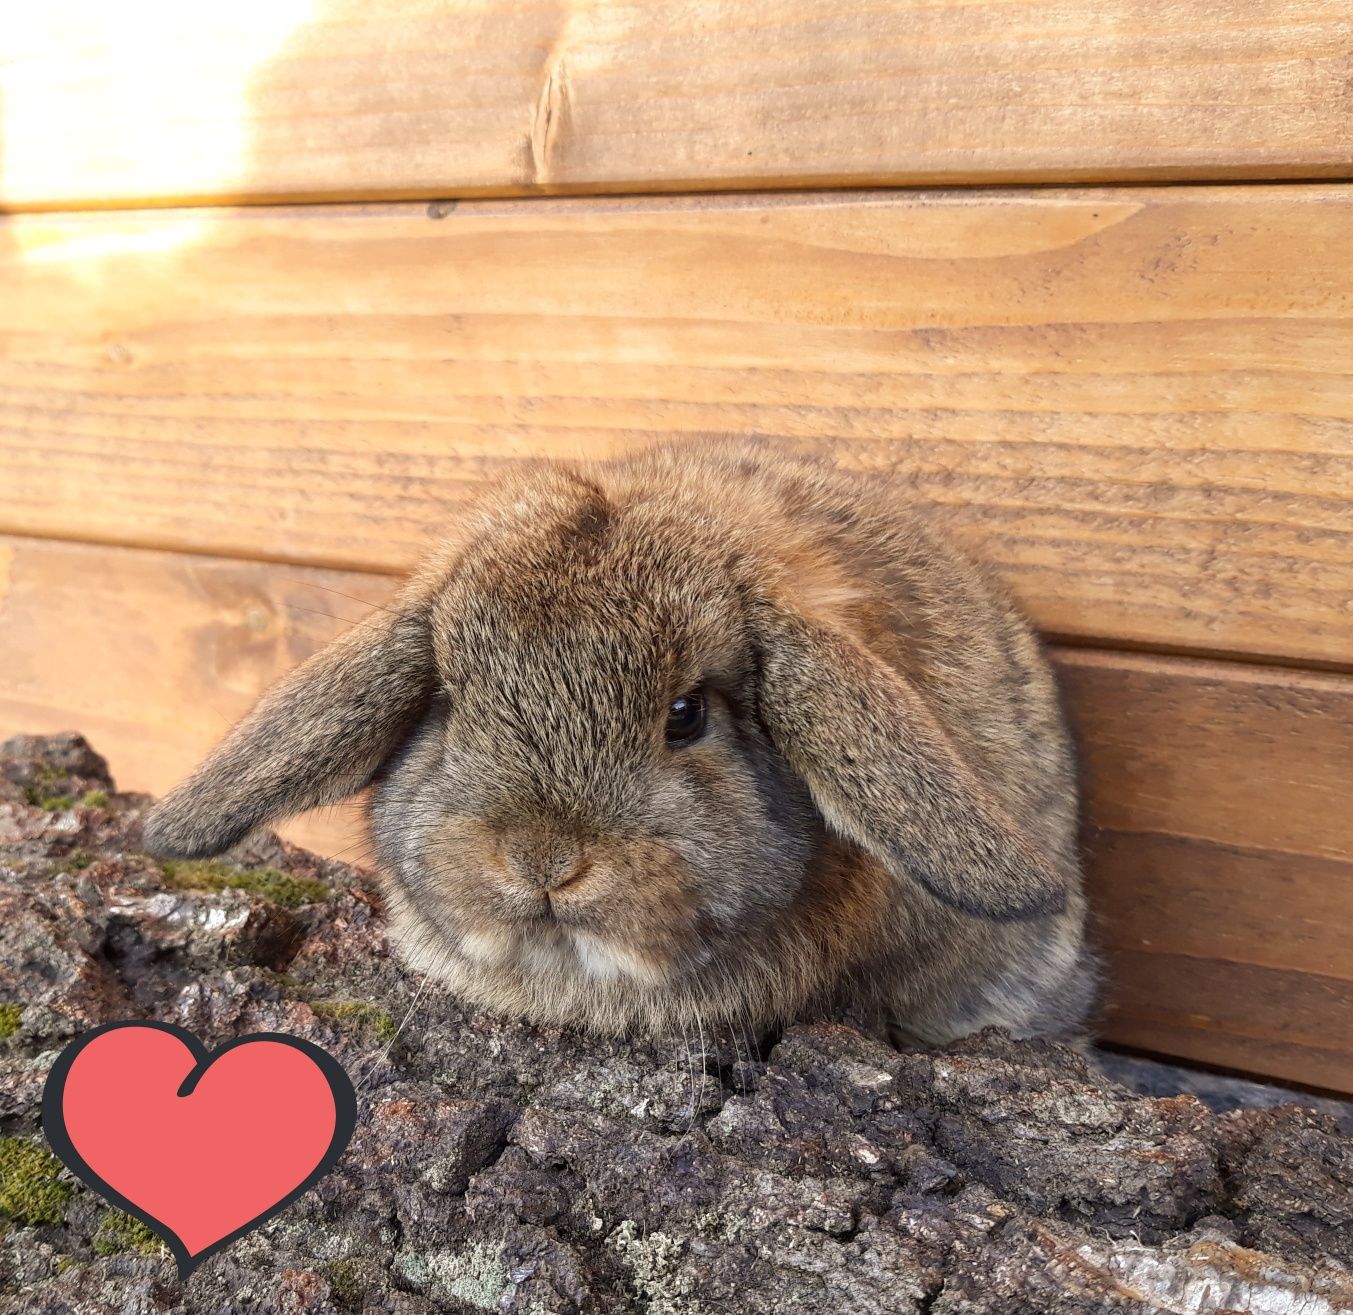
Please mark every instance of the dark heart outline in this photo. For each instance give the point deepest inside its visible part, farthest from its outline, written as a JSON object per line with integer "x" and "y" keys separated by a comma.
{"x": 54, "y": 1125}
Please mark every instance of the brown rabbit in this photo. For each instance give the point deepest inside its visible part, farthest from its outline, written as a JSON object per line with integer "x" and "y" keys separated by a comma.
{"x": 702, "y": 735}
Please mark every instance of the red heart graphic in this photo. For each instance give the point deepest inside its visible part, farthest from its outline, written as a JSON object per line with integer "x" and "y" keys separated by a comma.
{"x": 200, "y": 1146}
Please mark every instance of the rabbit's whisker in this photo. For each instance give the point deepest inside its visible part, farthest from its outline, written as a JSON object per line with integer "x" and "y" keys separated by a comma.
{"x": 366, "y": 602}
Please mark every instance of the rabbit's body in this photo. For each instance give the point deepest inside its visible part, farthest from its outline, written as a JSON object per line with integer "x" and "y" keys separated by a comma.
{"x": 875, "y": 812}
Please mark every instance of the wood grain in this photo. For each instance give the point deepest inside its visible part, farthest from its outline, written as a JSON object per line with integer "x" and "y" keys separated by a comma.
{"x": 1138, "y": 402}
{"x": 1219, "y": 796}
{"x": 1220, "y": 852}
{"x": 317, "y": 99}
{"x": 1292, "y": 1026}
{"x": 153, "y": 656}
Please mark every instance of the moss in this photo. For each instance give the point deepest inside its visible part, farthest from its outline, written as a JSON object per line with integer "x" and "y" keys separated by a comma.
{"x": 281, "y": 888}
{"x": 45, "y": 791}
{"x": 119, "y": 1231}
{"x": 31, "y": 1190}
{"x": 94, "y": 799}
{"x": 351, "y": 1280}
{"x": 360, "y": 1012}
{"x": 79, "y": 860}
{"x": 53, "y": 803}
{"x": 9, "y": 1020}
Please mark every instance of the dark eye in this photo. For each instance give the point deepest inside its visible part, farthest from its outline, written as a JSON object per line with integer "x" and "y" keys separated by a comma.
{"x": 686, "y": 718}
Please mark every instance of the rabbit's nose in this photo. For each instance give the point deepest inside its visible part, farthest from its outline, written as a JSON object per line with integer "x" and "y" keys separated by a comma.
{"x": 547, "y": 863}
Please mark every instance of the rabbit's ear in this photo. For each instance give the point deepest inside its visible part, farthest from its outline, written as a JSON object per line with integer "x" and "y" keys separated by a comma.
{"x": 318, "y": 735}
{"x": 884, "y": 773}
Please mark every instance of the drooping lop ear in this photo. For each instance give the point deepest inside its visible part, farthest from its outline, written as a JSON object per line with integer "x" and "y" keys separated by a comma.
{"x": 884, "y": 773}
{"x": 317, "y": 736}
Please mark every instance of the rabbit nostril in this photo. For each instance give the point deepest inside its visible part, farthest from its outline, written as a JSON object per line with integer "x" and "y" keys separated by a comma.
{"x": 580, "y": 870}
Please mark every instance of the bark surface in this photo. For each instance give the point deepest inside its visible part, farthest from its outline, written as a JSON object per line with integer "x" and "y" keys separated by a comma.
{"x": 501, "y": 1167}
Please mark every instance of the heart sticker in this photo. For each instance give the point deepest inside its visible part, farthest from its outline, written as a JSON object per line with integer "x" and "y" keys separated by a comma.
{"x": 200, "y": 1145}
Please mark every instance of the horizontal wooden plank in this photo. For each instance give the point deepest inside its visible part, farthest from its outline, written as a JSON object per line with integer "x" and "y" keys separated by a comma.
{"x": 1294, "y": 1026}
{"x": 1167, "y": 735}
{"x": 1191, "y": 898}
{"x": 1218, "y": 795}
{"x": 1219, "y": 844}
{"x": 317, "y": 99}
{"x": 1138, "y": 402}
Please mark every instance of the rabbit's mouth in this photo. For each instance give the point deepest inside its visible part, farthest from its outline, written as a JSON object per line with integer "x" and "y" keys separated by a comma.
{"x": 626, "y": 917}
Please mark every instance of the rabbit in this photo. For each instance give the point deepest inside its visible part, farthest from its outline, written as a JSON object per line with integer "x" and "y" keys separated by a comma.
{"x": 701, "y": 734}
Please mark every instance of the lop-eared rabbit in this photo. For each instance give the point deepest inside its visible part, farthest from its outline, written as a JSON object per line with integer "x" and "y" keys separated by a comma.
{"x": 705, "y": 735}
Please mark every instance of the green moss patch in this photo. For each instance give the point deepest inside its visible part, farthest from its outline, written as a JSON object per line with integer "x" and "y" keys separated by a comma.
{"x": 278, "y": 886}
{"x": 31, "y": 1190}
{"x": 37, "y": 797}
{"x": 94, "y": 799}
{"x": 359, "y": 1012}
{"x": 119, "y": 1231}
{"x": 9, "y": 1020}
{"x": 50, "y": 789}
{"x": 352, "y": 1280}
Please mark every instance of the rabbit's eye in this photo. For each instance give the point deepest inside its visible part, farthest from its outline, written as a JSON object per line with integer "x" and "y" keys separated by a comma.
{"x": 686, "y": 718}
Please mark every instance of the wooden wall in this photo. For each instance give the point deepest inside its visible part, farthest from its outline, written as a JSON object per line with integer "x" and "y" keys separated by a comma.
{"x": 228, "y": 420}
